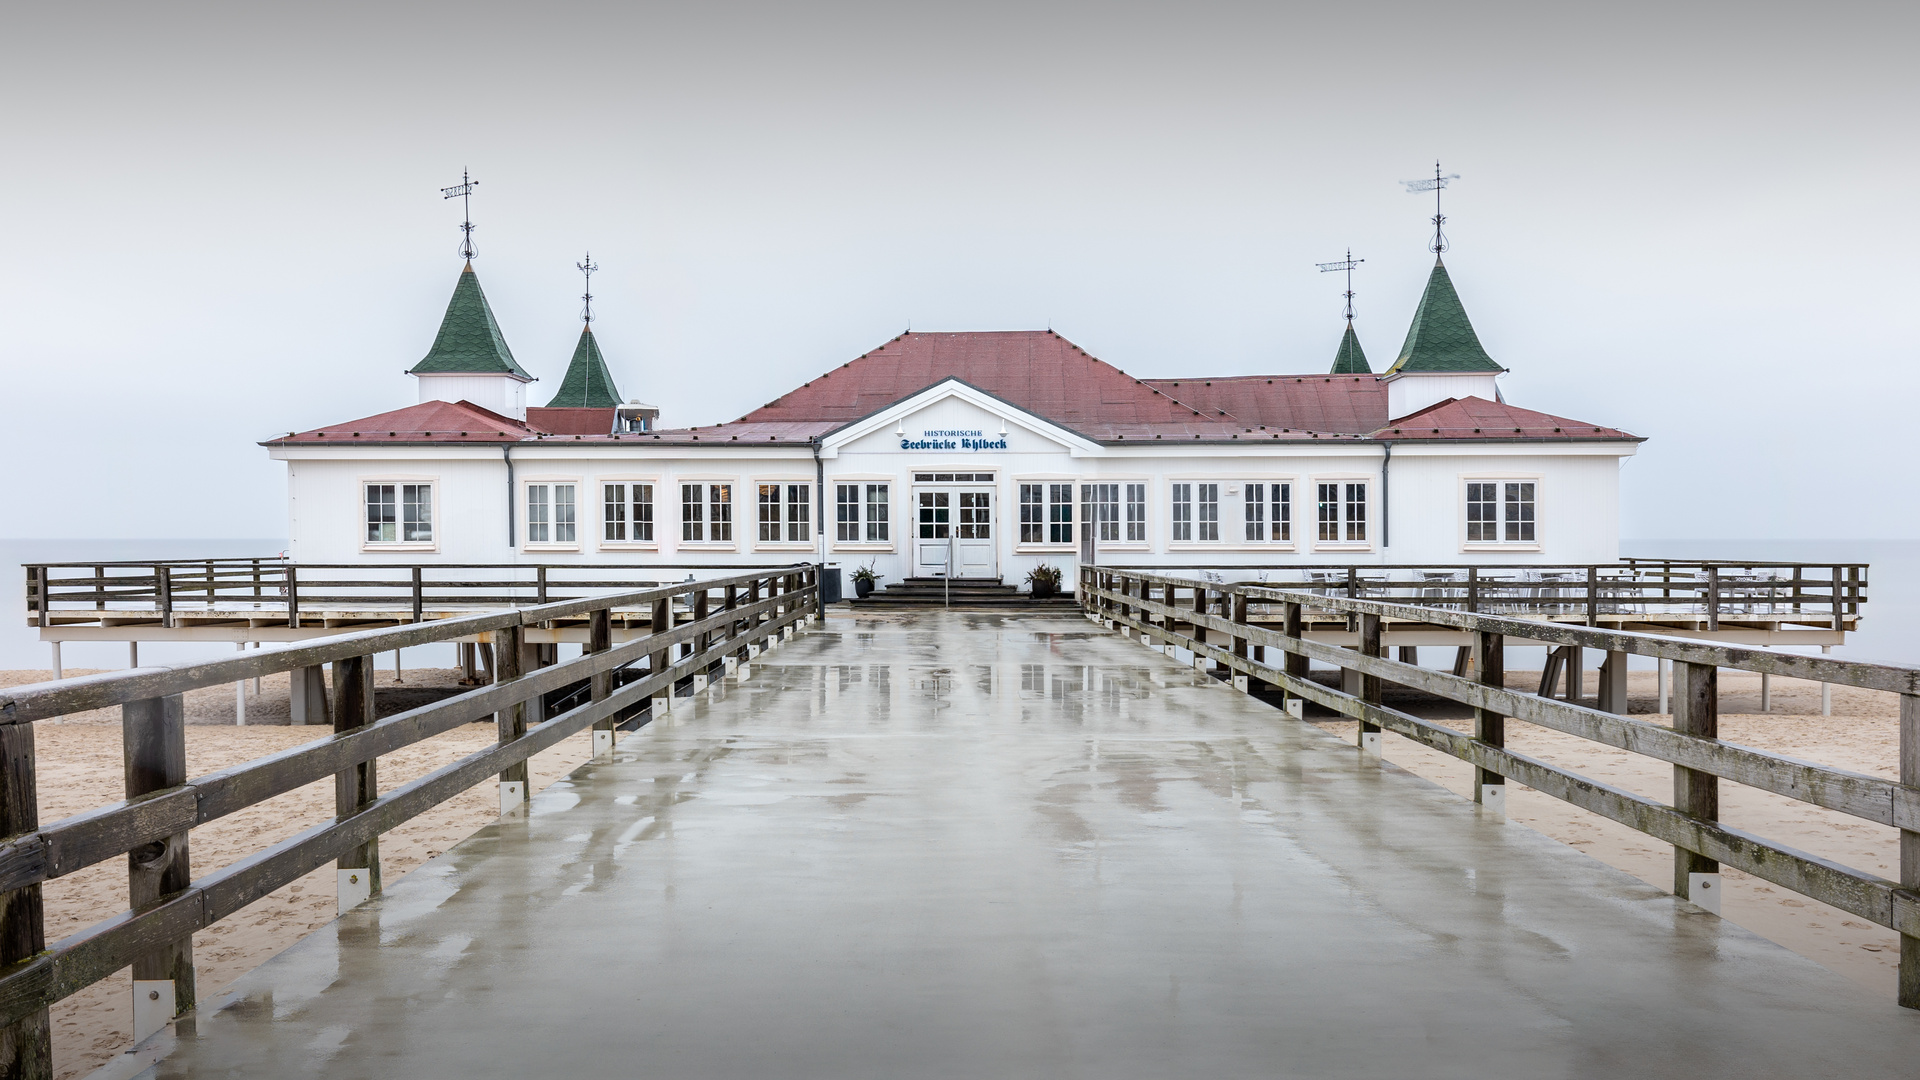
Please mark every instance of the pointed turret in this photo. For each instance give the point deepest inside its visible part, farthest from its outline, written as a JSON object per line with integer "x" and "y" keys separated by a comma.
{"x": 470, "y": 360}
{"x": 1442, "y": 357}
{"x": 1441, "y": 340}
{"x": 588, "y": 384}
{"x": 1349, "y": 360}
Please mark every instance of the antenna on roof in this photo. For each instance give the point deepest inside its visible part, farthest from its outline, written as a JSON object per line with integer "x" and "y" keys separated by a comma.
{"x": 1346, "y": 264}
{"x": 1435, "y": 185}
{"x": 464, "y": 192}
{"x": 587, "y": 268}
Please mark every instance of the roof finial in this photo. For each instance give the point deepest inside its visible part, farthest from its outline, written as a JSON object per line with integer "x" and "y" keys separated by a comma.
{"x": 464, "y": 192}
{"x": 1435, "y": 185}
{"x": 587, "y": 268}
{"x": 1346, "y": 264}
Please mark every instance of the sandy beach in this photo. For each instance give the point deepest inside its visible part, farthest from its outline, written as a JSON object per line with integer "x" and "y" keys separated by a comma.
{"x": 79, "y": 763}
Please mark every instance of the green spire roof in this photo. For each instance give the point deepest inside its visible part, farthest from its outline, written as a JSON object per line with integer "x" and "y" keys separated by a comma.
{"x": 469, "y": 342}
{"x": 1441, "y": 339}
{"x": 1349, "y": 360}
{"x": 587, "y": 385}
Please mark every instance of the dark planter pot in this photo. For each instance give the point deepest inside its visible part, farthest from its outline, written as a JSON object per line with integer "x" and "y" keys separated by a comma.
{"x": 863, "y": 587}
{"x": 1043, "y": 590}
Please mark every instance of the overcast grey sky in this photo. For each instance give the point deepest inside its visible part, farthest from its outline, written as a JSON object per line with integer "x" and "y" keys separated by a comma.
{"x": 221, "y": 222}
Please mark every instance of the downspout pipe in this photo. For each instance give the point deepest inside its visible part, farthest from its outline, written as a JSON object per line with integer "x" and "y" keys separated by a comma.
{"x": 506, "y": 454}
{"x": 819, "y": 498}
{"x": 1386, "y": 500}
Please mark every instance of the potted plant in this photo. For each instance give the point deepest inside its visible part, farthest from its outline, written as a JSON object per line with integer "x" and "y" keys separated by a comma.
{"x": 1044, "y": 580}
{"x": 863, "y": 579}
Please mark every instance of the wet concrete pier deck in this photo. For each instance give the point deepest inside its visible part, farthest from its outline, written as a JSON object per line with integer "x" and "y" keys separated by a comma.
{"x": 954, "y": 845}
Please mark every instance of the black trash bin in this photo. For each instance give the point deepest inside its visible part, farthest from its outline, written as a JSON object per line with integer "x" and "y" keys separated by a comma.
{"x": 829, "y": 585}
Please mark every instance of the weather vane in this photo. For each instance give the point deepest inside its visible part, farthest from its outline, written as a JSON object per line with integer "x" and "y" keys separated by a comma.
{"x": 587, "y": 268}
{"x": 1348, "y": 265}
{"x": 1435, "y": 185}
{"x": 464, "y": 192}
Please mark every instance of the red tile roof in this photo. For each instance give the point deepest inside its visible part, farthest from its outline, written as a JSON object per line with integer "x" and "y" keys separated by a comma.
{"x": 1473, "y": 418}
{"x": 429, "y": 421}
{"x": 570, "y": 420}
{"x": 1351, "y": 404}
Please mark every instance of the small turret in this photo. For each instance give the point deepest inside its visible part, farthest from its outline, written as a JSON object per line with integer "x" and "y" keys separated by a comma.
{"x": 1442, "y": 357}
{"x": 470, "y": 360}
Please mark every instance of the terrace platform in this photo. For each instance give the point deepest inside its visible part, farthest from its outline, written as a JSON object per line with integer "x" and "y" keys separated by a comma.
{"x": 944, "y": 844}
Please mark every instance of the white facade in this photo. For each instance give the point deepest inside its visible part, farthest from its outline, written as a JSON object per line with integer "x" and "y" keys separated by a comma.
{"x": 954, "y": 449}
{"x": 1409, "y": 393}
{"x": 503, "y": 394}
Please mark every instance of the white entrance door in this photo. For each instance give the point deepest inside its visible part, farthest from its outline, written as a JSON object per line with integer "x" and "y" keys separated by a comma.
{"x": 932, "y": 533}
{"x": 973, "y": 534}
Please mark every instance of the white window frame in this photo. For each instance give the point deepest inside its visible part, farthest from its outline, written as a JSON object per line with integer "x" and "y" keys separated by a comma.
{"x": 709, "y": 500}
{"x": 399, "y": 483}
{"x": 527, "y": 542}
{"x": 1501, "y": 511}
{"x": 1133, "y": 496}
{"x": 1267, "y": 540}
{"x": 783, "y": 506}
{"x": 600, "y": 485}
{"x": 862, "y": 520}
{"x": 1192, "y": 511}
{"x": 1052, "y": 524}
{"x": 1342, "y": 522}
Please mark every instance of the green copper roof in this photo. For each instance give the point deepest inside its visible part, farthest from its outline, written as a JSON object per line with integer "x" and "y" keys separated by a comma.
{"x": 469, "y": 342}
{"x": 1441, "y": 339}
{"x": 587, "y": 385}
{"x": 1349, "y": 360}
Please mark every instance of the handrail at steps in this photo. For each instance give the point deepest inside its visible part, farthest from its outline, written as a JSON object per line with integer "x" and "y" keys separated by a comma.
{"x": 1702, "y": 843}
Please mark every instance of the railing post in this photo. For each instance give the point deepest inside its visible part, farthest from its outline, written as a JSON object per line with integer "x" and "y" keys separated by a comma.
{"x": 1199, "y": 631}
{"x": 1490, "y": 727}
{"x": 293, "y": 597}
{"x": 1713, "y": 598}
{"x": 163, "y": 590}
{"x": 358, "y": 869}
{"x": 600, "y": 684}
{"x": 26, "y": 1046}
{"x": 659, "y": 623}
{"x": 154, "y": 743}
{"x": 1241, "y": 680}
{"x": 99, "y": 589}
{"x": 419, "y": 594}
{"x": 1369, "y": 740}
{"x": 256, "y": 583}
{"x": 1593, "y": 596}
{"x": 510, "y": 722}
{"x": 1473, "y": 590}
{"x": 702, "y": 640}
{"x": 1293, "y": 625}
{"x": 728, "y": 603}
{"x": 540, "y": 579}
{"x": 1910, "y": 847}
{"x": 1696, "y": 711}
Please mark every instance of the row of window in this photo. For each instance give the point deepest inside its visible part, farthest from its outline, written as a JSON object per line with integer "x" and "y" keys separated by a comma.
{"x": 1497, "y": 512}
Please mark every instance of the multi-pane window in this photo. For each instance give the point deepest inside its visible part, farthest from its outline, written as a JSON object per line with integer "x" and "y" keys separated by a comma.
{"x": 785, "y": 513}
{"x": 1500, "y": 512}
{"x": 706, "y": 513}
{"x": 551, "y": 514}
{"x": 1059, "y": 513}
{"x": 1033, "y": 513}
{"x": 1196, "y": 513}
{"x": 1183, "y": 513}
{"x": 860, "y": 513}
{"x": 1100, "y": 511}
{"x": 1136, "y": 513}
{"x": 399, "y": 513}
{"x": 627, "y": 513}
{"x": 1342, "y": 512}
{"x": 1269, "y": 512}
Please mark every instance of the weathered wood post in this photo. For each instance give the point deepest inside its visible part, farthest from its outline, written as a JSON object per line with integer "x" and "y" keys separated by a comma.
{"x": 293, "y": 598}
{"x": 658, "y": 660}
{"x": 702, "y": 640}
{"x": 600, "y": 684}
{"x": 1199, "y": 632}
{"x": 731, "y": 661}
{"x": 1369, "y": 740}
{"x": 26, "y": 1045}
{"x": 1241, "y": 680}
{"x": 1489, "y": 726}
{"x": 1696, "y": 711}
{"x": 1293, "y": 625}
{"x": 510, "y": 722}
{"x": 419, "y": 595}
{"x": 1910, "y": 847}
{"x": 163, "y": 590}
{"x": 1713, "y": 598}
{"x": 153, "y": 735}
{"x": 358, "y": 870}
{"x": 1613, "y": 683}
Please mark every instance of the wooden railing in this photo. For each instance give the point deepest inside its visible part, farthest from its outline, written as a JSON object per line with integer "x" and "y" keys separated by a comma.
{"x": 267, "y": 587}
{"x": 1211, "y": 620}
{"x": 731, "y": 620}
{"x": 1808, "y": 594}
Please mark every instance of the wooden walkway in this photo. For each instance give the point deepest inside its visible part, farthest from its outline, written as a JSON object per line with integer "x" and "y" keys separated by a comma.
{"x": 967, "y": 845}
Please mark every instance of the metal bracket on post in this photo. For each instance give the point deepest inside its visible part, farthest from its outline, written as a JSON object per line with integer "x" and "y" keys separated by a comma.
{"x": 1704, "y": 890}
{"x": 153, "y": 1002}
{"x": 513, "y": 797}
{"x": 355, "y": 888}
{"x": 1493, "y": 797}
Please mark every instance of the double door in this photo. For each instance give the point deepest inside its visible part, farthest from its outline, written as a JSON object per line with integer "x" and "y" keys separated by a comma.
{"x": 953, "y": 533}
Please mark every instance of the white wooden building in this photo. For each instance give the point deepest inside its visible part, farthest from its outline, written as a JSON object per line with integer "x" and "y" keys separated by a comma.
{"x": 998, "y": 451}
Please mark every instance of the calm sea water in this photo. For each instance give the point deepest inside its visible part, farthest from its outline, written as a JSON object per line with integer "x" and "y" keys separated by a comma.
{"x": 1889, "y": 627}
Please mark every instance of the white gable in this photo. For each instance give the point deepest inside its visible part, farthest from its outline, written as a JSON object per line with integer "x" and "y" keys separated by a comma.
{"x": 955, "y": 421}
